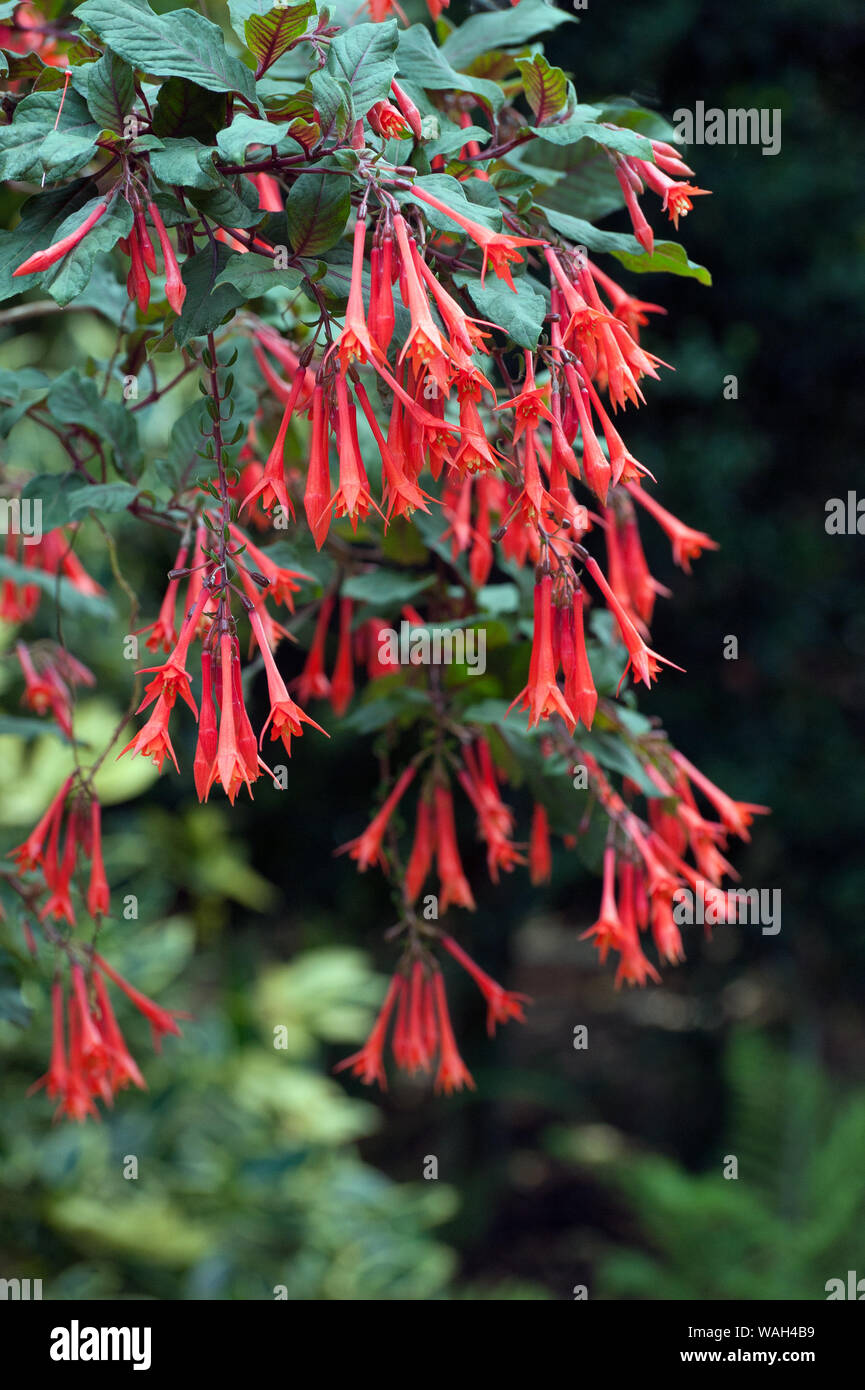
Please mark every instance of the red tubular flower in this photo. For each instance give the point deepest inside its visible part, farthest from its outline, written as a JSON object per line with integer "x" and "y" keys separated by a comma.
{"x": 205, "y": 749}
{"x": 312, "y": 683}
{"x": 665, "y": 933}
{"x": 454, "y": 884}
{"x": 175, "y": 290}
{"x": 75, "y": 1101}
{"x": 502, "y": 1004}
{"x": 121, "y": 1066}
{"x": 352, "y": 498}
{"x": 59, "y": 879}
{"x": 171, "y": 679}
{"x": 367, "y": 848}
{"x": 416, "y": 1055}
{"x": 368, "y": 1063}
{"x": 421, "y": 856}
{"x": 452, "y": 1073}
{"x": 56, "y": 1078}
{"x": 644, "y": 662}
{"x": 499, "y": 248}
{"x": 98, "y": 893}
{"x": 154, "y": 741}
{"x": 408, "y": 109}
{"x": 633, "y": 965}
{"x": 642, "y": 231}
{"x": 288, "y": 718}
{"x": 29, "y": 855}
{"x": 271, "y": 489}
{"x": 342, "y": 682}
{"x": 160, "y": 1020}
{"x": 231, "y": 766}
{"x": 542, "y": 696}
{"x": 607, "y": 931}
{"x": 540, "y": 854}
{"x": 736, "y": 815}
{"x": 41, "y": 260}
{"x": 388, "y": 121}
{"x": 687, "y": 543}
{"x": 580, "y": 692}
{"x": 355, "y": 341}
{"x": 382, "y": 318}
{"x": 317, "y": 496}
{"x": 425, "y": 345}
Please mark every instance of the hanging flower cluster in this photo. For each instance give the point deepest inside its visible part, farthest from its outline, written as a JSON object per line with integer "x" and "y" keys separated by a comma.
{"x": 446, "y": 367}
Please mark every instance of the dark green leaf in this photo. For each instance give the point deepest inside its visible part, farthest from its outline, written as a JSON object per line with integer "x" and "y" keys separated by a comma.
{"x": 180, "y": 44}
{"x": 364, "y": 56}
{"x": 254, "y": 275}
{"x": 520, "y": 314}
{"x": 317, "y": 211}
{"x": 206, "y": 305}
{"x": 75, "y": 400}
{"x": 421, "y": 62}
{"x": 484, "y": 33}
{"x": 23, "y": 144}
{"x": 110, "y": 91}
{"x": 185, "y": 109}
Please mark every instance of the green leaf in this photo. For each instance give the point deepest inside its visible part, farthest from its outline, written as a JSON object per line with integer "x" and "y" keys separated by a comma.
{"x": 110, "y": 91}
{"x": 546, "y": 88}
{"x": 401, "y": 705}
{"x": 521, "y": 314}
{"x": 243, "y": 132}
{"x": 453, "y": 137}
{"x": 13, "y": 1007}
{"x": 21, "y": 727}
{"x": 421, "y": 62}
{"x": 75, "y": 400}
{"x": 270, "y": 35}
{"x": 668, "y": 256}
{"x": 385, "y": 589}
{"x": 578, "y": 176}
{"x": 364, "y": 56}
{"x": 234, "y": 203}
{"x": 185, "y": 162}
{"x": 254, "y": 275}
{"x": 577, "y": 127}
{"x": 69, "y": 145}
{"x": 488, "y": 711}
{"x": 186, "y": 109}
{"x": 71, "y": 275}
{"x": 332, "y": 98}
{"x": 612, "y": 753}
{"x": 205, "y": 305}
{"x": 180, "y": 44}
{"x": 486, "y": 33}
{"x": 55, "y": 492}
{"x": 317, "y": 211}
{"x": 102, "y": 497}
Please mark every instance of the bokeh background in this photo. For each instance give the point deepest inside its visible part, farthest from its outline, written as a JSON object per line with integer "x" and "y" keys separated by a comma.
{"x": 601, "y": 1167}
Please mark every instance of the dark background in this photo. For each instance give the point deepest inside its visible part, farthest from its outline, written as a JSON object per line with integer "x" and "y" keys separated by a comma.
{"x": 601, "y": 1167}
